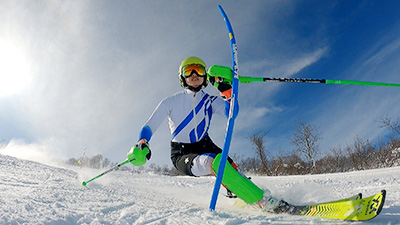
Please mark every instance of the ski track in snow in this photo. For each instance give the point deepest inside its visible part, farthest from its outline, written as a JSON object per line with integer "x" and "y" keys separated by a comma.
{"x": 34, "y": 193}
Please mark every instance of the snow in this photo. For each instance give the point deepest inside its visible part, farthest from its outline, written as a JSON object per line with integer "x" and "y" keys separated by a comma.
{"x": 35, "y": 193}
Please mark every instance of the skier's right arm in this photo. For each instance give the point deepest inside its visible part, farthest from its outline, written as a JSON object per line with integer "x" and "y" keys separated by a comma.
{"x": 140, "y": 153}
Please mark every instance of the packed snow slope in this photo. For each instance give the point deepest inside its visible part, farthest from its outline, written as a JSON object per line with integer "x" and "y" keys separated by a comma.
{"x": 34, "y": 193}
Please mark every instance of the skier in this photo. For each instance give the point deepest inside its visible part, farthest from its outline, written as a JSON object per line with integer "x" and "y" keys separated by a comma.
{"x": 189, "y": 114}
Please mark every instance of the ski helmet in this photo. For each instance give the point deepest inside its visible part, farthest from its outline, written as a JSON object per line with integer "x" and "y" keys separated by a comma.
{"x": 191, "y": 61}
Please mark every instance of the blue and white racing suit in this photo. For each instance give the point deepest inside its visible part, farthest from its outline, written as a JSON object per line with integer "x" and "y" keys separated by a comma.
{"x": 189, "y": 116}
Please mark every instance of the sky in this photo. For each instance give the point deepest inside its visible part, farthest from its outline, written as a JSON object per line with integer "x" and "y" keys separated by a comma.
{"x": 78, "y": 75}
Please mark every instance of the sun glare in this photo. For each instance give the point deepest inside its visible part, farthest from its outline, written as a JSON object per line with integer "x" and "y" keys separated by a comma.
{"x": 15, "y": 74}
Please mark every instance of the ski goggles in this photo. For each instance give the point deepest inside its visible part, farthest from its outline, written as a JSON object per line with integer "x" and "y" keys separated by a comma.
{"x": 187, "y": 71}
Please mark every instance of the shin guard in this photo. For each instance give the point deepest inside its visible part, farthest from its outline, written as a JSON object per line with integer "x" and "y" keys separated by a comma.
{"x": 237, "y": 184}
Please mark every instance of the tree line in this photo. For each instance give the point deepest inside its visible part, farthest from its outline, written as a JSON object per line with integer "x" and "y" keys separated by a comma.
{"x": 95, "y": 162}
{"x": 100, "y": 162}
{"x": 307, "y": 158}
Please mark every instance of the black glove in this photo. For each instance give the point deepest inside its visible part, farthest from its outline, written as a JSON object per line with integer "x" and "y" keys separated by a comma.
{"x": 224, "y": 87}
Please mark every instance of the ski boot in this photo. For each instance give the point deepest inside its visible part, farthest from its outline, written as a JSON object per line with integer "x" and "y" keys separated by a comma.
{"x": 273, "y": 205}
{"x": 230, "y": 194}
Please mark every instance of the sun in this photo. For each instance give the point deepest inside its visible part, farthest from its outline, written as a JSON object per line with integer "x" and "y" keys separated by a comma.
{"x": 15, "y": 70}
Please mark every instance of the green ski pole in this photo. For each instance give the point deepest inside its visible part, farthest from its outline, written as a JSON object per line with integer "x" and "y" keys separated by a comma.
{"x": 315, "y": 81}
{"x": 84, "y": 183}
{"x": 225, "y": 73}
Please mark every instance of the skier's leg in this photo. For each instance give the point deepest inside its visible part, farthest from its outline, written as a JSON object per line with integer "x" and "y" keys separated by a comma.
{"x": 234, "y": 181}
{"x": 201, "y": 164}
{"x": 245, "y": 189}
{"x": 198, "y": 165}
{"x": 241, "y": 186}
{"x": 195, "y": 164}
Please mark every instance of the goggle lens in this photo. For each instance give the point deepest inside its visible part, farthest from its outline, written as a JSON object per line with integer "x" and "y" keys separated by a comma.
{"x": 199, "y": 69}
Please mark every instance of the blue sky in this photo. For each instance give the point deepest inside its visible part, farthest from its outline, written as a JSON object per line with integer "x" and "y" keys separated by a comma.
{"x": 88, "y": 74}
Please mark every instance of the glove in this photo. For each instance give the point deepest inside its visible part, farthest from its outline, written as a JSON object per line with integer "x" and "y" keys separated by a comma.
{"x": 224, "y": 88}
{"x": 140, "y": 153}
{"x": 221, "y": 78}
{"x": 222, "y": 73}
